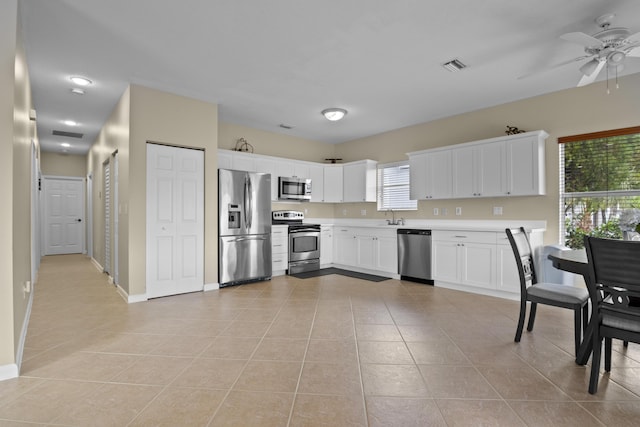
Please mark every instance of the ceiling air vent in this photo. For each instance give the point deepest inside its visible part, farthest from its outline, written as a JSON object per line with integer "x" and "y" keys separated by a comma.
{"x": 454, "y": 65}
{"x": 67, "y": 134}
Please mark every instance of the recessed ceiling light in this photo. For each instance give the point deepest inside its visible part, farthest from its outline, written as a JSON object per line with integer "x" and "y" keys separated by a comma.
{"x": 70, "y": 123}
{"x": 81, "y": 81}
{"x": 65, "y": 145}
{"x": 334, "y": 114}
{"x": 77, "y": 91}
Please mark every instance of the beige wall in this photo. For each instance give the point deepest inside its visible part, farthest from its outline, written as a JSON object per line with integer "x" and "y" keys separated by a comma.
{"x": 113, "y": 136}
{"x": 16, "y": 134}
{"x": 59, "y": 164}
{"x": 175, "y": 120}
{"x": 8, "y": 19}
{"x": 568, "y": 112}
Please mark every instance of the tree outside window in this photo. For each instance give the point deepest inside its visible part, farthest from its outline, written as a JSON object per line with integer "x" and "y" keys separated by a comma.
{"x": 599, "y": 182}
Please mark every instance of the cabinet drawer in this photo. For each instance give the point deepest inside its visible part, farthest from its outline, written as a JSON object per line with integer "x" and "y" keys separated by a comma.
{"x": 279, "y": 262}
{"x": 465, "y": 236}
{"x": 279, "y": 248}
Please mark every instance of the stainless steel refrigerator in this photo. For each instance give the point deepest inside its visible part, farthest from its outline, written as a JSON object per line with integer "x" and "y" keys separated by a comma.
{"x": 244, "y": 227}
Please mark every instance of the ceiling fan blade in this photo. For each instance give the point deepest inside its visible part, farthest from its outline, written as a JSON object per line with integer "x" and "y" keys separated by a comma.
{"x": 581, "y": 38}
{"x": 635, "y": 52}
{"x": 587, "y": 80}
{"x": 632, "y": 39}
{"x": 560, "y": 64}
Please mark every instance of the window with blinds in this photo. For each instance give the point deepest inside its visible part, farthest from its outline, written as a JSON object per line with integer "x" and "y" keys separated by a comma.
{"x": 393, "y": 187}
{"x": 599, "y": 183}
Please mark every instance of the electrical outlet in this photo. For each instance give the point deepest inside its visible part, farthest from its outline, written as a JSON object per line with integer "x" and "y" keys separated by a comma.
{"x": 344, "y": 212}
{"x": 306, "y": 211}
{"x": 497, "y": 210}
{"x": 458, "y": 211}
{"x": 363, "y": 212}
{"x": 27, "y": 286}
{"x": 436, "y": 211}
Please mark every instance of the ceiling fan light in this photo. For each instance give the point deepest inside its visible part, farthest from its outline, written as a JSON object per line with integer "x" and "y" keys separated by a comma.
{"x": 334, "y": 114}
{"x": 588, "y": 68}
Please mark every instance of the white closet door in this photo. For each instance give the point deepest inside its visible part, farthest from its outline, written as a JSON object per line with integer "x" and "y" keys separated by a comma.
{"x": 175, "y": 220}
{"x": 64, "y": 216}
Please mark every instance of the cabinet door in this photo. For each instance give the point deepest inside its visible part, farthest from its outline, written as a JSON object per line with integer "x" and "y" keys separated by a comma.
{"x": 225, "y": 160}
{"x": 525, "y": 167}
{"x": 508, "y": 279}
{"x": 333, "y": 183}
{"x": 326, "y": 245}
{"x": 478, "y": 263}
{"x": 268, "y": 165}
{"x": 387, "y": 254}
{"x": 463, "y": 161}
{"x": 418, "y": 177}
{"x": 243, "y": 162}
{"x": 345, "y": 247}
{"x": 301, "y": 170}
{"x": 445, "y": 261}
{"x": 431, "y": 175}
{"x": 316, "y": 173}
{"x": 491, "y": 168}
{"x": 354, "y": 183}
{"x": 366, "y": 251}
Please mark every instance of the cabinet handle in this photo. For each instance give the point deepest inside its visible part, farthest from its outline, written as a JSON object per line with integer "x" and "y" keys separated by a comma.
{"x": 461, "y": 237}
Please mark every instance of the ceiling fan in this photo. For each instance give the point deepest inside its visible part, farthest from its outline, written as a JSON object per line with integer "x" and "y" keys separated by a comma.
{"x": 608, "y": 47}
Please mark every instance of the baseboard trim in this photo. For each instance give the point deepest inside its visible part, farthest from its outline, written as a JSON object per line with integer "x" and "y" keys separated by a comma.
{"x": 478, "y": 290}
{"x": 8, "y": 371}
{"x": 23, "y": 333}
{"x": 130, "y": 299}
{"x": 97, "y": 265}
{"x": 211, "y": 287}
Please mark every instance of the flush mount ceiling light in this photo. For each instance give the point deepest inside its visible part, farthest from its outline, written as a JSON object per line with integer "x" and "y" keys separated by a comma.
{"x": 81, "y": 81}
{"x": 70, "y": 123}
{"x": 65, "y": 145}
{"x": 454, "y": 65}
{"x": 334, "y": 114}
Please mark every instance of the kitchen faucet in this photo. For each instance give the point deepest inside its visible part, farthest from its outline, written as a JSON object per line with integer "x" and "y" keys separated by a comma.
{"x": 393, "y": 220}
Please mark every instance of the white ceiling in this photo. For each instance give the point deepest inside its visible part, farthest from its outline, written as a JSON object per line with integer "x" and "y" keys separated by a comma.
{"x": 276, "y": 62}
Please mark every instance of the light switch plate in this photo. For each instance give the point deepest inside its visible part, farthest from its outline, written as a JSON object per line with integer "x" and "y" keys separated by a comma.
{"x": 436, "y": 211}
{"x": 458, "y": 211}
{"x": 497, "y": 210}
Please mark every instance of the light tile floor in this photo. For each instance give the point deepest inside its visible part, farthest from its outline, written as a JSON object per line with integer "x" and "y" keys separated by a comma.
{"x": 331, "y": 351}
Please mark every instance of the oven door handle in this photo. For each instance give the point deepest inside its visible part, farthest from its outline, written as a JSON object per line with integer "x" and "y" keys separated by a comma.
{"x": 304, "y": 231}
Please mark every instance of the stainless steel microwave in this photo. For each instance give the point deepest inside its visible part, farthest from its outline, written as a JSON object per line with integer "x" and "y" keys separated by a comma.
{"x": 293, "y": 188}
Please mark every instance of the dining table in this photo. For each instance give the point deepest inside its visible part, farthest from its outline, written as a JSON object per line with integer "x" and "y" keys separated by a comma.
{"x": 575, "y": 261}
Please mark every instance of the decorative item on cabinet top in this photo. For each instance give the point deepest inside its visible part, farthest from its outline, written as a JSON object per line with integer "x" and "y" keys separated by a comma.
{"x": 512, "y": 130}
{"x": 333, "y": 160}
{"x": 243, "y": 145}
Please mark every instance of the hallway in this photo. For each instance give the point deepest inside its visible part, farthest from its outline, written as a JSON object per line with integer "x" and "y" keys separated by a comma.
{"x": 326, "y": 351}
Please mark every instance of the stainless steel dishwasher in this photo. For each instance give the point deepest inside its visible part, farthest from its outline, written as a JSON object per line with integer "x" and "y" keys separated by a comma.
{"x": 414, "y": 255}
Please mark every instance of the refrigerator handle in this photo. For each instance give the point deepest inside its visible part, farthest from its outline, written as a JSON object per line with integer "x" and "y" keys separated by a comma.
{"x": 250, "y": 192}
{"x": 246, "y": 199}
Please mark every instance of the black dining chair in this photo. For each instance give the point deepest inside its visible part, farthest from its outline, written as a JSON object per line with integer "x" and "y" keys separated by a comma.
{"x": 554, "y": 294}
{"x": 614, "y": 289}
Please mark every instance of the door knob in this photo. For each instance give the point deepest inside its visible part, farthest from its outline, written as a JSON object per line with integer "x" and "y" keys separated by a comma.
{"x": 79, "y": 219}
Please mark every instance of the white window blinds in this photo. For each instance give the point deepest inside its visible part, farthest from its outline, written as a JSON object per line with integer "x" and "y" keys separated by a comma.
{"x": 393, "y": 187}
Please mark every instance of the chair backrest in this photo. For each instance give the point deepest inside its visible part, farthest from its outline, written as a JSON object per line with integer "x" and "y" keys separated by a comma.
{"x": 614, "y": 272}
{"x": 524, "y": 257}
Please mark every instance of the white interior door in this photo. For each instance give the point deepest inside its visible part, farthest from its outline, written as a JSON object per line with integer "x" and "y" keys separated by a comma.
{"x": 175, "y": 220}
{"x": 116, "y": 220}
{"x": 64, "y": 215}
{"x": 107, "y": 217}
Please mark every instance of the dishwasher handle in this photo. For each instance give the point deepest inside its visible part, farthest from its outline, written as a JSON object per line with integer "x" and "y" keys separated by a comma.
{"x": 414, "y": 231}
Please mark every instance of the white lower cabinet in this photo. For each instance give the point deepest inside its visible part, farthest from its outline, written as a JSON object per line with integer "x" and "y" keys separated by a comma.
{"x": 372, "y": 249}
{"x": 508, "y": 277}
{"x": 279, "y": 249}
{"x": 345, "y": 246}
{"x": 326, "y": 245}
{"x": 466, "y": 258}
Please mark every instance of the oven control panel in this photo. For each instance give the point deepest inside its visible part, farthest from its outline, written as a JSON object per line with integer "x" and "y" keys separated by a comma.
{"x": 287, "y": 215}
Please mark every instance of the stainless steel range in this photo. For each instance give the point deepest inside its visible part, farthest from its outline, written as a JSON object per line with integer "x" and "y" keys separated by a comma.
{"x": 304, "y": 241}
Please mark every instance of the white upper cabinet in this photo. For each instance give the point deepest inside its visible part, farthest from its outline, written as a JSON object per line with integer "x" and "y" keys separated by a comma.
{"x": 333, "y": 179}
{"x": 360, "y": 181}
{"x": 430, "y": 175}
{"x": 225, "y": 160}
{"x": 512, "y": 165}
{"x": 316, "y": 173}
